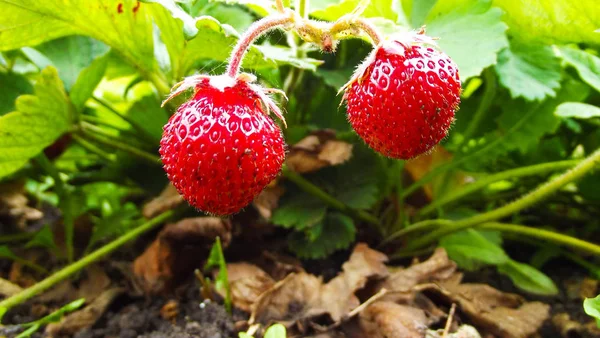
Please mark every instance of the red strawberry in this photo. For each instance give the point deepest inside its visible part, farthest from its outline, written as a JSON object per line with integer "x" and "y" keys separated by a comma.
{"x": 402, "y": 100}
{"x": 220, "y": 149}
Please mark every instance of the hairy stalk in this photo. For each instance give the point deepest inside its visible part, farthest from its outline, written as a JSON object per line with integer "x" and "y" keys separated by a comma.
{"x": 505, "y": 175}
{"x": 333, "y": 202}
{"x": 526, "y": 201}
{"x": 148, "y": 157}
{"x": 420, "y": 226}
{"x": 550, "y": 236}
{"x": 254, "y": 31}
{"x": 353, "y": 23}
{"x": 279, "y": 5}
{"x": 74, "y": 267}
{"x": 94, "y": 149}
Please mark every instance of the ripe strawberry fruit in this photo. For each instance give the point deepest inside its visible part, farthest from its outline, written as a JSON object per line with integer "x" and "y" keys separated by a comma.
{"x": 402, "y": 100}
{"x": 220, "y": 149}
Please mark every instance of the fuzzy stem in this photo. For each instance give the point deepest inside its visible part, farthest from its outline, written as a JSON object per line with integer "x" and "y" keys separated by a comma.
{"x": 353, "y": 22}
{"x": 252, "y": 33}
{"x": 420, "y": 226}
{"x": 93, "y": 148}
{"x": 526, "y": 201}
{"x": 546, "y": 235}
{"x": 148, "y": 157}
{"x": 279, "y": 5}
{"x": 484, "y": 182}
{"x": 369, "y": 29}
{"x": 74, "y": 267}
{"x": 333, "y": 202}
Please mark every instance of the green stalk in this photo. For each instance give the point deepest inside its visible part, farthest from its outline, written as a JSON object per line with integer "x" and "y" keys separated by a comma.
{"x": 484, "y": 182}
{"x": 333, "y": 202}
{"x": 546, "y": 235}
{"x": 526, "y": 201}
{"x": 125, "y": 118}
{"x": 42, "y": 160}
{"x": 303, "y": 8}
{"x": 18, "y": 237}
{"x": 103, "y": 132}
{"x": 148, "y": 157}
{"x": 74, "y": 267}
{"x": 420, "y": 226}
{"x": 94, "y": 149}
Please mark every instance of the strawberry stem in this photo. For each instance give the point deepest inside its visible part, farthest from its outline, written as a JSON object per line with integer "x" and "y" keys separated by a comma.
{"x": 254, "y": 31}
{"x": 543, "y": 191}
{"x": 352, "y": 24}
{"x": 76, "y": 266}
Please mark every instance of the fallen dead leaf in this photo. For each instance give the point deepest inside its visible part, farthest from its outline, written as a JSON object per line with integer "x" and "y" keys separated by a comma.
{"x": 338, "y": 296}
{"x": 168, "y": 199}
{"x": 177, "y": 250}
{"x": 502, "y": 314}
{"x": 279, "y": 266}
{"x": 317, "y": 151}
{"x": 170, "y": 310}
{"x": 63, "y": 292}
{"x": 268, "y": 200}
{"x": 8, "y": 289}
{"x": 436, "y": 268}
{"x": 246, "y": 282}
{"x": 86, "y": 317}
{"x": 566, "y": 326}
{"x": 302, "y": 296}
{"x": 14, "y": 205}
{"x": 464, "y": 331}
{"x": 94, "y": 284}
{"x": 391, "y": 320}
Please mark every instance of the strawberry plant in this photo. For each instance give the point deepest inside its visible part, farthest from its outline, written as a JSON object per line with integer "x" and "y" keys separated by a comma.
{"x": 471, "y": 125}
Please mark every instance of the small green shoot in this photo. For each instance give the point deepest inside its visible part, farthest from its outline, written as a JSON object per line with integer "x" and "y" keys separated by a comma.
{"x": 217, "y": 259}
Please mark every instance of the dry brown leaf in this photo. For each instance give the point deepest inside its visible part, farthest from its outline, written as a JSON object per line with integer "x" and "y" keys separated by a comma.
{"x": 94, "y": 284}
{"x": 279, "y": 266}
{"x": 437, "y": 268}
{"x": 168, "y": 199}
{"x": 464, "y": 331}
{"x": 178, "y": 249}
{"x": 391, "y": 320}
{"x": 63, "y": 292}
{"x": 317, "y": 151}
{"x": 268, "y": 200}
{"x": 566, "y": 326}
{"x": 86, "y": 317}
{"x": 502, "y": 314}
{"x": 170, "y": 310}
{"x": 8, "y": 289}
{"x": 303, "y": 296}
{"x": 337, "y": 296}
{"x": 246, "y": 282}
{"x": 13, "y": 205}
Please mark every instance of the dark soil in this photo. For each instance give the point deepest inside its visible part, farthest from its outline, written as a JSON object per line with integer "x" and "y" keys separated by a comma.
{"x": 131, "y": 318}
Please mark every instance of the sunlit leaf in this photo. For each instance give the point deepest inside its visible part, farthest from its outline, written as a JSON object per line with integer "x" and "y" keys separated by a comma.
{"x": 528, "y": 278}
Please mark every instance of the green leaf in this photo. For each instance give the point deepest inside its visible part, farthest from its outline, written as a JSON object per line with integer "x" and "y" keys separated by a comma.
{"x": 122, "y": 24}
{"x": 244, "y": 335}
{"x": 528, "y": 278}
{"x": 6, "y": 252}
{"x": 39, "y": 120}
{"x": 189, "y": 23}
{"x": 87, "y": 81}
{"x": 118, "y": 222}
{"x": 522, "y": 124}
{"x": 471, "y": 33}
{"x": 577, "y": 110}
{"x": 335, "y": 232}
{"x": 556, "y": 21}
{"x": 261, "y": 7}
{"x": 586, "y": 64}
{"x": 336, "y": 79}
{"x": 276, "y": 331}
{"x": 529, "y": 71}
{"x": 217, "y": 259}
{"x": 419, "y": 10}
{"x": 236, "y": 17}
{"x": 591, "y": 306}
{"x": 71, "y": 54}
{"x": 286, "y": 56}
{"x": 44, "y": 239}
{"x": 147, "y": 113}
{"x": 298, "y": 210}
{"x": 376, "y": 8}
{"x": 470, "y": 249}
{"x": 12, "y": 85}
{"x": 51, "y": 318}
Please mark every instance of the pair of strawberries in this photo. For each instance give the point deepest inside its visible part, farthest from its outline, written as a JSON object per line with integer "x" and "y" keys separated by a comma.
{"x": 220, "y": 149}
